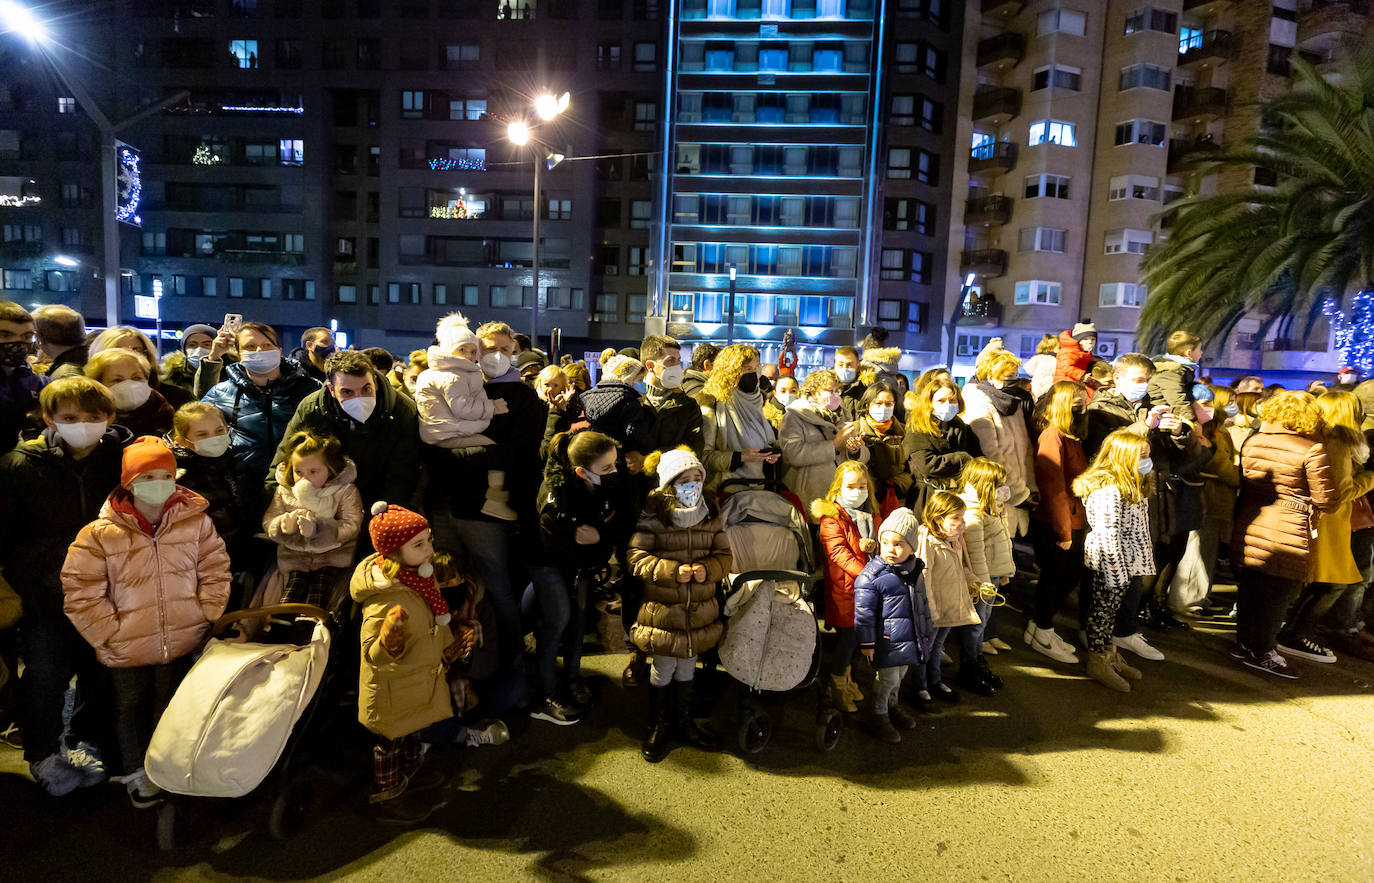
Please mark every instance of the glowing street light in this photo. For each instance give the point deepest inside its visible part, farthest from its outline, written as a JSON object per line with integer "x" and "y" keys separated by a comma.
{"x": 22, "y": 21}
{"x": 546, "y": 107}
{"x": 66, "y": 261}
{"x": 519, "y": 133}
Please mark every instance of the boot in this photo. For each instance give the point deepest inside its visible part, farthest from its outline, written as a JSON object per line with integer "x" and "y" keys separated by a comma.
{"x": 1100, "y": 669}
{"x": 497, "y": 501}
{"x": 634, "y": 672}
{"x": 987, "y": 674}
{"x": 899, "y": 717}
{"x": 839, "y": 694}
{"x": 697, "y": 735}
{"x": 851, "y": 689}
{"x": 1114, "y": 655}
{"x": 879, "y": 726}
{"x": 971, "y": 679}
{"x": 658, "y": 742}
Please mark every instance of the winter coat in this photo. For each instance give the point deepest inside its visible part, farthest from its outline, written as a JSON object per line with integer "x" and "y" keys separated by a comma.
{"x": 258, "y": 415}
{"x": 1071, "y": 362}
{"x": 1041, "y": 368}
{"x": 1286, "y": 481}
{"x": 995, "y": 417}
{"x": 1058, "y": 461}
{"x": 19, "y": 388}
{"x": 615, "y": 408}
{"x": 46, "y": 497}
{"x": 892, "y": 614}
{"x": 844, "y": 560}
{"x": 142, "y": 599}
{"x": 850, "y": 396}
{"x": 451, "y": 400}
{"x": 566, "y": 502}
{"x": 69, "y": 363}
{"x": 1332, "y": 560}
{"x": 337, "y": 511}
{"x": 773, "y": 411}
{"x": 399, "y": 695}
{"x": 1118, "y": 545}
{"x": 677, "y": 421}
{"x": 1179, "y": 459}
{"x": 935, "y": 461}
{"x": 987, "y": 541}
{"x": 886, "y": 458}
{"x": 949, "y": 580}
{"x": 153, "y": 417}
{"x": 231, "y": 499}
{"x": 1109, "y": 411}
{"x": 677, "y": 619}
{"x": 1221, "y": 480}
{"x": 693, "y": 381}
{"x": 385, "y": 449}
{"x": 809, "y": 458}
{"x": 1172, "y": 385}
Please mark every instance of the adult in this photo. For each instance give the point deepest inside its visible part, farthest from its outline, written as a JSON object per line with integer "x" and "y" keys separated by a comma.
{"x": 1243, "y": 423}
{"x": 60, "y": 333}
{"x": 882, "y": 365}
{"x": 768, "y": 377}
{"x": 181, "y": 369}
{"x": 19, "y": 386}
{"x": 703, "y": 360}
{"x": 415, "y": 364}
{"x": 1248, "y": 383}
{"x": 1220, "y": 478}
{"x": 126, "y": 374}
{"x": 317, "y": 345}
{"x": 851, "y": 387}
{"x": 529, "y": 363}
{"x": 995, "y": 416}
{"x": 814, "y": 441}
{"x": 937, "y": 442}
{"x": 1059, "y": 525}
{"x": 1286, "y": 482}
{"x": 1075, "y": 358}
{"x": 1041, "y": 366}
{"x": 677, "y": 416}
{"x": 127, "y": 337}
{"x": 739, "y": 441}
{"x": 883, "y": 435}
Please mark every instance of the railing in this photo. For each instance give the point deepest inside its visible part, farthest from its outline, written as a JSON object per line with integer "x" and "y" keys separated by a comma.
{"x": 988, "y": 210}
{"x": 1008, "y": 46}
{"x": 993, "y": 155}
{"x": 984, "y": 262}
{"x": 993, "y": 101}
{"x": 1209, "y": 44}
{"x": 1190, "y": 101}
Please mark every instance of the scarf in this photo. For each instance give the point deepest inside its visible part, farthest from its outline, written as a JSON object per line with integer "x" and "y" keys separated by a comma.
{"x": 426, "y": 588}
{"x": 1005, "y": 403}
{"x": 740, "y": 424}
{"x": 656, "y": 395}
{"x": 682, "y": 517}
{"x": 1182, "y": 360}
{"x": 880, "y": 428}
{"x": 862, "y": 520}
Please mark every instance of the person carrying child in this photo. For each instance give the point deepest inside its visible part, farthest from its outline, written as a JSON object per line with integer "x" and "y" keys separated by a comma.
{"x": 950, "y": 589}
{"x": 845, "y": 522}
{"x": 142, "y": 584}
{"x": 314, "y": 517}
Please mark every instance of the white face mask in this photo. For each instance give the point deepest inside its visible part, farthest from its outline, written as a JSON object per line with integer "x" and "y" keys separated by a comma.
{"x": 853, "y": 498}
{"x": 81, "y": 435}
{"x": 154, "y": 492}
{"x": 494, "y": 364}
{"x": 846, "y": 375}
{"x": 262, "y": 362}
{"x": 880, "y": 413}
{"x": 359, "y": 407}
{"x": 1003, "y": 494}
{"x": 945, "y": 411}
{"x": 688, "y": 493}
{"x": 196, "y": 353}
{"x": 214, "y": 446}
{"x": 786, "y": 398}
{"x": 130, "y": 394}
{"x": 671, "y": 377}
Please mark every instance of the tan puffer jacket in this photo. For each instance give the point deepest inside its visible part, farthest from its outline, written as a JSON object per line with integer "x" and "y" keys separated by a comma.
{"x": 336, "y": 509}
{"x": 1285, "y": 483}
{"x": 678, "y": 619}
{"x": 140, "y": 599}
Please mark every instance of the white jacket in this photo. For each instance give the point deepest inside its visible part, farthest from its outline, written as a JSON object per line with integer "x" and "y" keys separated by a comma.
{"x": 809, "y": 458}
{"x": 452, "y": 402}
{"x": 1004, "y": 440}
{"x": 987, "y": 541}
{"x": 1040, "y": 367}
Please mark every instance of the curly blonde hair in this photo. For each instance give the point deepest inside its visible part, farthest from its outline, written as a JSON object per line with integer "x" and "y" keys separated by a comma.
{"x": 996, "y": 365}
{"x": 1295, "y": 411}
{"x": 726, "y": 371}
{"x": 822, "y": 379}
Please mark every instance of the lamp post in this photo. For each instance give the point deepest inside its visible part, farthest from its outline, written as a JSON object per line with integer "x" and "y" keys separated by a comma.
{"x": 546, "y": 108}
{"x": 951, "y": 327}
{"x": 731, "y": 320}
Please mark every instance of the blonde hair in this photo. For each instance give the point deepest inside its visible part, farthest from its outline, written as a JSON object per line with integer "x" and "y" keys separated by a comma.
{"x": 105, "y": 341}
{"x": 181, "y": 420}
{"x": 489, "y": 330}
{"x": 1056, "y": 408}
{"x": 996, "y": 364}
{"x": 822, "y": 379}
{"x": 418, "y": 359}
{"x": 304, "y": 444}
{"x": 833, "y": 494}
{"x": 1294, "y": 411}
{"x": 940, "y": 505}
{"x": 102, "y": 361}
{"x": 1048, "y": 345}
{"x": 985, "y": 477}
{"x": 920, "y": 414}
{"x": 726, "y": 371}
{"x": 1180, "y": 342}
{"x": 1222, "y": 396}
{"x": 606, "y": 355}
{"x": 1343, "y": 415}
{"x": 1117, "y": 465}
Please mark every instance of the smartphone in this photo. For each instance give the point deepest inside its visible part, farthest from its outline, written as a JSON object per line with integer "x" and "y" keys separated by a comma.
{"x": 233, "y": 322}
{"x": 773, "y": 448}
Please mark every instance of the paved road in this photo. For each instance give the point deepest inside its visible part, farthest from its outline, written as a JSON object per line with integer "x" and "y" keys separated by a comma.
{"x": 1206, "y": 772}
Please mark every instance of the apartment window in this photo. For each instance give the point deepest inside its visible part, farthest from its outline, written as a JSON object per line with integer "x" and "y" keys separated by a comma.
{"x": 70, "y": 195}
{"x": 646, "y": 57}
{"x": 374, "y": 294}
{"x": 641, "y": 211}
{"x": 906, "y": 58}
{"x": 927, "y": 166}
{"x": 932, "y": 114}
{"x": 608, "y": 57}
{"x": 369, "y": 54}
{"x": 903, "y": 110}
{"x": 293, "y": 243}
{"x": 209, "y": 286}
{"x": 1121, "y": 294}
{"x": 470, "y": 109}
{"x": 1127, "y": 241}
{"x": 1036, "y": 291}
{"x": 1061, "y": 21}
{"x": 291, "y": 152}
{"x": 462, "y": 56}
{"x": 892, "y": 264}
{"x": 899, "y": 162}
{"x": 608, "y": 260}
{"x": 1150, "y": 19}
{"x": 298, "y": 289}
{"x": 1043, "y": 239}
{"x": 346, "y": 294}
{"x": 932, "y": 62}
{"x": 498, "y": 296}
{"x": 607, "y": 308}
{"x": 73, "y": 236}
{"x": 1278, "y": 61}
{"x": 638, "y": 261}
{"x": 1056, "y": 77}
{"x": 1047, "y": 186}
{"x": 412, "y": 105}
{"x": 236, "y": 286}
{"x": 154, "y": 243}
{"x": 1134, "y": 187}
{"x": 289, "y": 55}
{"x": 1141, "y": 132}
{"x": 66, "y": 105}
{"x": 1149, "y": 76}
{"x": 18, "y": 280}
{"x": 245, "y": 53}
{"x": 646, "y": 116}
{"x": 559, "y": 210}
{"x": 1053, "y": 132}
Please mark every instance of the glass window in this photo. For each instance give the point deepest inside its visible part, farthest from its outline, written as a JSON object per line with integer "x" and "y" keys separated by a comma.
{"x": 641, "y": 212}
{"x": 1043, "y": 239}
{"x": 1121, "y": 294}
{"x": 1127, "y": 241}
{"x": 470, "y": 295}
{"x": 1053, "y": 132}
{"x": 245, "y": 52}
{"x": 1061, "y": 21}
{"x": 1150, "y": 19}
{"x": 646, "y": 56}
{"x": 1047, "y": 186}
{"x": 1141, "y": 132}
{"x": 899, "y": 162}
{"x": 346, "y": 294}
{"x": 1037, "y": 292}
{"x": 209, "y": 286}
{"x": 1149, "y": 76}
{"x": 1134, "y": 187}
{"x": 236, "y": 286}
{"x": 1056, "y": 77}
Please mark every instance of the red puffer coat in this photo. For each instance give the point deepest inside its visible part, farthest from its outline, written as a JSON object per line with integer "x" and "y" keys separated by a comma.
{"x": 1072, "y": 363}
{"x": 844, "y": 561}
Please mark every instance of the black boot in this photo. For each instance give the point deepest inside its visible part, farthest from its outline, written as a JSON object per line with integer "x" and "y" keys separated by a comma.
{"x": 658, "y": 742}
{"x": 987, "y": 674}
{"x": 687, "y": 727}
{"x": 971, "y": 679}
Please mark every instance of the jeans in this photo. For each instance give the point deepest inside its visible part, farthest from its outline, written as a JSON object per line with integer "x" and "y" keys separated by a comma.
{"x": 555, "y": 610}
{"x": 141, "y": 696}
{"x": 928, "y": 675}
{"x": 666, "y": 669}
{"x": 846, "y": 642}
{"x": 487, "y": 545}
{"x": 575, "y": 633}
{"x": 53, "y": 652}
{"x": 498, "y": 694}
{"x": 1061, "y": 571}
{"x": 1349, "y": 609}
{"x": 970, "y": 643}
{"x": 886, "y": 683}
{"x": 1261, "y": 605}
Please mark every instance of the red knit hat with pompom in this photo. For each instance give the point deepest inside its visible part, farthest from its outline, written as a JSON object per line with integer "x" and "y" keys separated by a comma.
{"x": 393, "y": 526}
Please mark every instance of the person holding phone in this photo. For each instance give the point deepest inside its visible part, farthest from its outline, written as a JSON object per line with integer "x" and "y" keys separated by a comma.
{"x": 814, "y": 441}
{"x": 737, "y": 434}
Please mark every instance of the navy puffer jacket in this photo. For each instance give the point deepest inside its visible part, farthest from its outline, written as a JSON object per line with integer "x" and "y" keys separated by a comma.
{"x": 891, "y": 614}
{"x": 258, "y": 415}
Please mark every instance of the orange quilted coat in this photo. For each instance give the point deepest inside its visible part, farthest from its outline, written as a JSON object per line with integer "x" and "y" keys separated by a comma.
{"x": 844, "y": 561}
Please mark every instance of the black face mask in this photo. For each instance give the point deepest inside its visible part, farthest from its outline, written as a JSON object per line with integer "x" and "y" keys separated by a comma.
{"x": 748, "y": 383}
{"x": 610, "y": 481}
{"x": 15, "y": 353}
{"x": 322, "y": 352}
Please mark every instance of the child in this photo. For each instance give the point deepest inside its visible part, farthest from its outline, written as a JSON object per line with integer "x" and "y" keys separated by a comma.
{"x": 1175, "y": 371}
{"x": 139, "y": 408}
{"x": 200, "y": 441}
{"x": 1115, "y": 490}
{"x": 50, "y": 487}
{"x": 989, "y": 545}
{"x": 142, "y": 583}
{"x": 845, "y": 516}
{"x": 314, "y": 517}
{"x": 474, "y": 663}
{"x": 950, "y": 588}
{"x": 454, "y": 409}
{"x": 401, "y": 682}
{"x": 680, "y": 551}
{"x": 1058, "y": 524}
{"x": 892, "y": 622}
{"x": 1075, "y": 358}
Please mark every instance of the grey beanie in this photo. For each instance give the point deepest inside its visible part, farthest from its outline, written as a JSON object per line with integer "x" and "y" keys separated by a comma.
{"x": 1082, "y": 330}
{"x": 198, "y": 328}
{"x": 902, "y": 521}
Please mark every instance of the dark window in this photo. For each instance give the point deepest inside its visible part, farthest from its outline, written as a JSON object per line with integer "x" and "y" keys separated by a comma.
{"x": 289, "y": 55}
{"x": 1279, "y": 57}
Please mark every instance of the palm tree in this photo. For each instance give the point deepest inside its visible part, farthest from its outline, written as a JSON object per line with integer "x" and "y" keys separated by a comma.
{"x": 1280, "y": 251}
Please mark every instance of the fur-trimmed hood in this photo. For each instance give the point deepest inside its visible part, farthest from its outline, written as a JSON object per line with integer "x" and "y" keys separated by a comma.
{"x": 823, "y": 508}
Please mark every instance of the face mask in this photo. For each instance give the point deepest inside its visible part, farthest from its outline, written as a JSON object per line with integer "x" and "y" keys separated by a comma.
{"x": 748, "y": 383}
{"x": 494, "y": 364}
{"x": 590, "y": 476}
{"x": 130, "y": 394}
{"x": 786, "y": 398}
{"x": 1231, "y": 410}
{"x": 832, "y": 401}
{"x": 359, "y": 407}
{"x": 322, "y": 352}
{"x": 81, "y": 435}
{"x": 880, "y": 413}
{"x": 853, "y": 498}
{"x": 1003, "y": 494}
{"x": 15, "y": 353}
{"x": 846, "y": 375}
{"x": 688, "y": 493}
{"x": 196, "y": 353}
{"x": 945, "y": 411}
{"x": 671, "y": 377}
{"x": 154, "y": 492}
{"x": 1348, "y": 379}
{"x": 214, "y": 446}
{"x": 262, "y": 362}
{"x": 1205, "y": 413}
{"x": 1132, "y": 392}
{"x": 1146, "y": 466}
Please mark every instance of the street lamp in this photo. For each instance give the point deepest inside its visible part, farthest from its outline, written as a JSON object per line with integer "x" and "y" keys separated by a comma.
{"x": 519, "y": 133}
{"x": 21, "y": 21}
{"x": 952, "y": 327}
{"x": 732, "y": 304}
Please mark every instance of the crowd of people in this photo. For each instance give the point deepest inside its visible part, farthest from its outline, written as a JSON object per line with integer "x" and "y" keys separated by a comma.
{"x": 469, "y": 503}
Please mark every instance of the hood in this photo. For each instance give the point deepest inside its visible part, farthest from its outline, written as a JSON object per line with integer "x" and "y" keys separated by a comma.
{"x": 812, "y": 413}
{"x": 369, "y": 581}
{"x": 1167, "y": 363}
{"x": 603, "y": 398}
{"x": 180, "y": 506}
{"x": 348, "y": 475}
{"x": 883, "y": 358}
{"x": 823, "y": 508}
{"x": 442, "y": 361}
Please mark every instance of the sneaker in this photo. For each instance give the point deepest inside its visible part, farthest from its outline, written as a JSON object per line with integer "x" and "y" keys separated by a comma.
{"x": 1048, "y": 643}
{"x": 1139, "y": 646}
{"x": 143, "y": 794}
{"x": 494, "y": 734}
{"x": 1307, "y": 649}
{"x": 85, "y": 759}
{"x": 1000, "y": 644}
{"x": 1239, "y": 651}
{"x": 56, "y": 775}
{"x": 944, "y": 693}
{"x": 1029, "y": 634}
{"x": 1270, "y": 663}
{"x": 556, "y": 712}
{"x": 403, "y": 809}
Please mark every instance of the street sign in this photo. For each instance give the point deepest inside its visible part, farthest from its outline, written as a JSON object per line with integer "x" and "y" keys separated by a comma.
{"x": 145, "y": 306}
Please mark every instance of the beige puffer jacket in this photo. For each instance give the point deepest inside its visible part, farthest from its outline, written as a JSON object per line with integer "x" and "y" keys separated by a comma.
{"x": 949, "y": 580}
{"x": 336, "y": 509}
{"x": 1004, "y": 438}
{"x": 987, "y": 541}
{"x": 678, "y": 619}
{"x": 140, "y": 599}
{"x": 1286, "y": 482}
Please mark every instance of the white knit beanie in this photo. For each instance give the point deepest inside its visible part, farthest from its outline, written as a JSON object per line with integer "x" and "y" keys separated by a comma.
{"x": 453, "y": 331}
{"x": 675, "y": 462}
{"x": 904, "y": 522}
{"x": 623, "y": 368}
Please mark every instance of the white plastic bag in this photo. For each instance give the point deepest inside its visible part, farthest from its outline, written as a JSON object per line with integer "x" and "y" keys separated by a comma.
{"x": 1191, "y": 583}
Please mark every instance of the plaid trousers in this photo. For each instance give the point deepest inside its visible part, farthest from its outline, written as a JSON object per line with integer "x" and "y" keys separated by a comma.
{"x": 309, "y": 587}
{"x": 393, "y": 761}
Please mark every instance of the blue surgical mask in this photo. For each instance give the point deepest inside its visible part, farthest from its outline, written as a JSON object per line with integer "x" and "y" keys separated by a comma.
{"x": 688, "y": 493}
{"x": 1132, "y": 392}
{"x": 846, "y": 375}
{"x": 1145, "y": 466}
{"x": 1231, "y": 410}
{"x": 945, "y": 411}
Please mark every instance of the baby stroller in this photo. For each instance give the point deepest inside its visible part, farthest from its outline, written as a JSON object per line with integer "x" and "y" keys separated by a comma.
{"x": 240, "y": 712}
{"x": 771, "y": 644}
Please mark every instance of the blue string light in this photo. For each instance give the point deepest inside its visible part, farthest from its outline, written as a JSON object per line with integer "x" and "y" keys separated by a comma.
{"x": 127, "y": 210}
{"x": 444, "y": 164}
{"x": 1355, "y": 331}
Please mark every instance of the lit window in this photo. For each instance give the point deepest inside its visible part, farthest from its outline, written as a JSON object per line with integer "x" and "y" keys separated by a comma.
{"x": 1053, "y": 132}
{"x": 1121, "y": 294}
{"x": 347, "y": 294}
{"x": 1036, "y": 291}
{"x": 646, "y": 56}
{"x": 1141, "y": 132}
{"x": 245, "y": 52}
{"x": 292, "y": 151}
{"x": 1134, "y": 187}
{"x": 66, "y": 105}
{"x": 1047, "y": 186}
{"x": 899, "y": 162}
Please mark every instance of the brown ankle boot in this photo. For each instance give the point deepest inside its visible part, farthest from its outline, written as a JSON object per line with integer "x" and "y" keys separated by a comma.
{"x": 851, "y": 689}
{"x": 1121, "y": 667}
{"x": 1100, "y": 669}
{"x": 839, "y": 695}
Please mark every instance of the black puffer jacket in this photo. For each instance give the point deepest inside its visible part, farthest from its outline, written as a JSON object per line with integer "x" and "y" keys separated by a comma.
{"x": 618, "y": 410}
{"x": 566, "y": 502}
{"x": 935, "y": 461}
{"x": 233, "y": 499}
{"x": 677, "y": 421}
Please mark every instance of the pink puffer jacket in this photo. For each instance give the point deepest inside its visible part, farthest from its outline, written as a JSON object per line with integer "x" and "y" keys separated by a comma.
{"x": 140, "y": 599}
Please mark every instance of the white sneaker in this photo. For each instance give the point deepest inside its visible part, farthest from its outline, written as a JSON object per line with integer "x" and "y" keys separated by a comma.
{"x": 142, "y": 792}
{"x": 1029, "y": 634}
{"x": 1139, "y": 646}
{"x": 495, "y": 734}
{"x": 1051, "y": 645}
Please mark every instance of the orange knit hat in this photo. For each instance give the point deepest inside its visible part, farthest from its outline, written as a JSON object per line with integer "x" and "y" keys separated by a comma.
{"x": 145, "y": 454}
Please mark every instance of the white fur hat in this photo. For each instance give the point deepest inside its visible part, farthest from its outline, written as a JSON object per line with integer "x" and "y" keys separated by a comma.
{"x": 623, "y": 368}
{"x": 453, "y": 331}
{"x": 675, "y": 462}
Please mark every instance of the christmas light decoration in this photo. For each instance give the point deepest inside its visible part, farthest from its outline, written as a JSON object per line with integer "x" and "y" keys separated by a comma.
{"x": 7, "y": 201}
{"x": 250, "y": 108}
{"x": 1354, "y": 331}
{"x": 130, "y": 182}
{"x": 443, "y": 164}
{"x": 203, "y": 157}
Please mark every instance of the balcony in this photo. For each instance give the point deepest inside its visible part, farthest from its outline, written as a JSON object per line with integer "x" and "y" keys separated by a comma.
{"x": 996, "y": 104}
{"x": 1330, "y": 22}
{"x": 1199, "y": 104}
{"x": 1002, "y": 8}
{"x": 987, "y": 211}
{"x": 1209, "y": 46}
{"x": 1183, "y": 152}
{"x": 984, "y": 311}
{"x": 995, "y": 158}
{"x": 1282, "y": 354}
{"x": 1002, "y": 51}
{"x": 985, "y": 262}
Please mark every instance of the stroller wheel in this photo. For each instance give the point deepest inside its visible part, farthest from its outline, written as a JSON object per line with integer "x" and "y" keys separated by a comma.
{"x": 289, "y": 810}
{"x": 167, "y": 826}
{"x": 755, "y": 730}
{"x": 829, "y": 725}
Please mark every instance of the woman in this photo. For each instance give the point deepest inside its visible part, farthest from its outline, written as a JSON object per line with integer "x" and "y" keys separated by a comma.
{"x": 126, "y": 337}
{"x": 994, "y": 415}
{"x": 882, "y": 433}
{"x": 1041, "y": 365}
{"x": 1059, "y": 524}
{"x": 812, "y": 439}
{"x": 937, "y": 443}
{"x": 1286, "y": 482}
{"x": 139, "y": 408}
{"x": 739, "y": 440}
{"x": 1333, "y": 571}
{"x": 1243, "y": 423}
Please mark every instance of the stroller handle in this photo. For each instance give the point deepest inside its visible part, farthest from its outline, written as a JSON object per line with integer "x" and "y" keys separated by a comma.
{"x": 222, "y": 624}
{"x": 767, "y": 484}
{"x": 740, "y": 579}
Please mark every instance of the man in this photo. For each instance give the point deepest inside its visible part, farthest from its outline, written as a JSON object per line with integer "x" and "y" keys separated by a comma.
{"x": 19, "y": 386}
{"x": 852, "y": 389}
{"x": 1347, "y": 378}
{"x": 768, "y": 377}
{"x": 378, "y": 427}
{"x": 1248, "y": 383}
{"x": 529, "y": 363}
{"x": 317, "y": 345}
{"x": 523, "y": 344}
{"x": 703, "y": 360}
{"x": 61, "y": 336}
{"x": 678, "y": 416}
